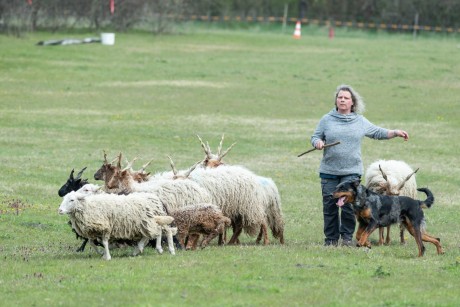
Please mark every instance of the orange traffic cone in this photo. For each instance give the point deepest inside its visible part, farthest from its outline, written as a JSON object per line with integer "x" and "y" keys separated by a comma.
{"x": 297, "y": 30}
{"x": 331, "y": 32}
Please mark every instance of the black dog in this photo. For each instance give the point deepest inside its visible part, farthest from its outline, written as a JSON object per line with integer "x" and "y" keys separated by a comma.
{"x": 373, "y": 210}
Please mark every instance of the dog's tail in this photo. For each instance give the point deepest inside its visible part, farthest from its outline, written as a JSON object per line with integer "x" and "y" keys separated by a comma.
{"x": 429, "y": 199}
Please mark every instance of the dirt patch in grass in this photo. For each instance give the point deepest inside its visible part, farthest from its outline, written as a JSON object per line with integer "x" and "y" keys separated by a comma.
{"x": 12, "y": 206}
{"x": 174, "y": 83}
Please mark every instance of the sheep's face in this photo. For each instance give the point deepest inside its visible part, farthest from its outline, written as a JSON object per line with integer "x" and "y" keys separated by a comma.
{"x": 389, "y": 187}
{"x": 118, "y": 179}
{"x": 72, "y": 183}
{"x": 68, "y": 203}
{"x": 105, "y": 172}
{"x": 89, "y": 188}
{"x": 212, "y": 162}
{"x": 113, "y": 183}
{"x": 140, "y": 176}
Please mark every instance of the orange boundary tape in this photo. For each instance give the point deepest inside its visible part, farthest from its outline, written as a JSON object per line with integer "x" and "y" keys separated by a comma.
{"x": 345, "y": 24}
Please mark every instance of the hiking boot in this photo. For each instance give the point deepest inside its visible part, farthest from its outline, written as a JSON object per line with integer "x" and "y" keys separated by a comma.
{"x": 331, "y": 243}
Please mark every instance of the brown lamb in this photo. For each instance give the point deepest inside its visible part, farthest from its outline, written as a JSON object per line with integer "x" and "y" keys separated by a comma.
{"x": 196, "y": 220}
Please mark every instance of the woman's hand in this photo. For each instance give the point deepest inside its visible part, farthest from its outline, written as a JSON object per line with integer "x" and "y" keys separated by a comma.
{"x": 402, "y": 133}
{"x": 319, "y": 145}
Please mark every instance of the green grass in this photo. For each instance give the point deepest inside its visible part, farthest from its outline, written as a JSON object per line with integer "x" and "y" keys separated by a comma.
{"x": 148, "y": 96}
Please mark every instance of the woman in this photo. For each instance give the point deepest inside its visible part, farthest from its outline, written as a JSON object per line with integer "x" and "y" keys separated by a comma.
{"x": 343, "y": 162}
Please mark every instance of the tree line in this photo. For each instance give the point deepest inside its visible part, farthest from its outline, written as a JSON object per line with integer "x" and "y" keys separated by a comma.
{"x": 18, "y": 16}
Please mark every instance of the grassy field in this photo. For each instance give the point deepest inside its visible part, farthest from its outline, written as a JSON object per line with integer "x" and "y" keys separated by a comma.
{"x": 148, "y": 96}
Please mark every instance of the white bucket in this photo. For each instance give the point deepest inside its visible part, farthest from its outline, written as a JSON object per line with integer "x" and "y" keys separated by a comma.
{"x": 108, "y": 38}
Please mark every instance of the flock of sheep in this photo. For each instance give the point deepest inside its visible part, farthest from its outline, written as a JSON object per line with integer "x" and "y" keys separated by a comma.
{"x": 137, "y": 207}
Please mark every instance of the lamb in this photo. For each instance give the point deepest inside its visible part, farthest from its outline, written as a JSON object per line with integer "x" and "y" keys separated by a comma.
{"x": 138, "y": 216}
{"x": 391, "y": 177}
{"x": 196, "y": 220}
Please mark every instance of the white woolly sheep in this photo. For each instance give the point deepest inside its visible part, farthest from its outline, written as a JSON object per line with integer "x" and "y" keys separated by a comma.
{"x": 74, "y": 184}
{"x": 90, "y": 188}
{"x": 273, "y": 211}
{"x": 391, "y": 177}
{"x": 138, "y": 217}
{"x": 196, "y": 220}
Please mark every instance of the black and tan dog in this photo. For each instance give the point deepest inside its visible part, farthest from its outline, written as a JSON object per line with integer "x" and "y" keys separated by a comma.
{"x": 373, "y": 210}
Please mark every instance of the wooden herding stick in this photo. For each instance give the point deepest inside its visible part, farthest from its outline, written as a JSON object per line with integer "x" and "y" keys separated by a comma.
{"x": 313, "y": 149}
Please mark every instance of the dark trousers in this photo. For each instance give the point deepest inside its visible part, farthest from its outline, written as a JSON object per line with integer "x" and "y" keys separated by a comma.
{"x": 338, "y": 222}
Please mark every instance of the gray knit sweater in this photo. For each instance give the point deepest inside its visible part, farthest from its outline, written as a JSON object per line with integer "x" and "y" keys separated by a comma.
{"x": 350, "y": 129}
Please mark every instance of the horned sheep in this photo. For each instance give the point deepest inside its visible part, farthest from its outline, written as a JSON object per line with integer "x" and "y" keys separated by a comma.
{"x": 138, "y": 216}
{"x": 392, "y": 178}
{"x": 272, "y": 205}
{"x": 73, "y": 183}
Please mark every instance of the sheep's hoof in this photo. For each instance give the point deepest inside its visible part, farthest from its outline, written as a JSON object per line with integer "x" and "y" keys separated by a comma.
{"x": 160, "y": 251}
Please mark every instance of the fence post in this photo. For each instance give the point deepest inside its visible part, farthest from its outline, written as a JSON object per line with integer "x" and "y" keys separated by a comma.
{"x": 285, "y": 16}
{"x": 415, "y": 25}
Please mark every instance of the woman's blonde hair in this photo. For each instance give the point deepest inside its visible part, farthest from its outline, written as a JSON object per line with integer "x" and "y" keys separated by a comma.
{"x": 358, "y": 103}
